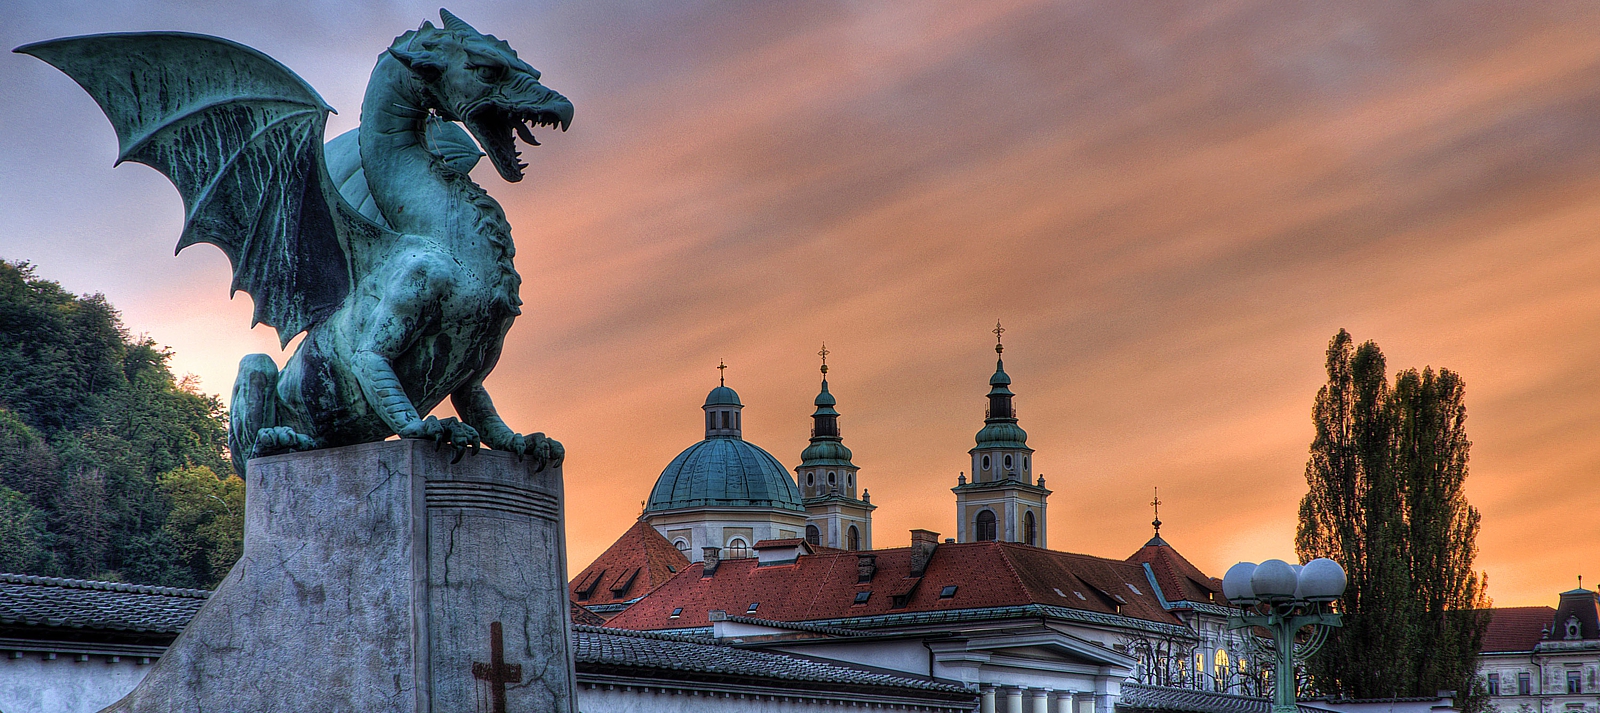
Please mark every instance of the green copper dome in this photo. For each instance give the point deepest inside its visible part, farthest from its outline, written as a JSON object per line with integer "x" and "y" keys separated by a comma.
{"x": 723, "y": 396}
{"x": 724, "y": 472}
{"x": 1000, "y": 429}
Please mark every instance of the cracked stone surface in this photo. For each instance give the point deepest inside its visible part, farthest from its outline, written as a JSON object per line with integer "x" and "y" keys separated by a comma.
{"x": 370, "y": 580}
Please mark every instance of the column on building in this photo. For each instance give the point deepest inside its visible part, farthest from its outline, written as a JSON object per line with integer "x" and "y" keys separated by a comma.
{"x": 1003, "y": 501}
{"x": 828, "y": 480}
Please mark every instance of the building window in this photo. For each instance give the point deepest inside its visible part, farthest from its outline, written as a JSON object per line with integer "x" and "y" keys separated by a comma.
{"x": 1222, "y": 669}
{"x": 1008, "y": 461}
{"x": 1024, "y": 462}
{"x": 949, "y": 592}
{"x": 832, "y": 477}
{"x": 738, "y": 549}
{"x": 1030, "y": 529}
{"x": 984, "y": 530}
{"x": 811, "y": 478}
{"x": 1494, "y": 684}
{"x": 753, "y": 607}
{"x": 813, "y": 535}
{"x": 682, "y": 546}
{"x": 676, "y": 613}
{"x": 854, "y": 538}
{"x": 724, "y": 418}
{"x": 849, "y": 480}
{"x": 1574, "y": 682}
{"x": 862, "y": 597}
{"x": 735, "y": 420}
{"x": 986, "y": 463}
{"x": 1524, "y": 683}
{"x": 711, "y": 420}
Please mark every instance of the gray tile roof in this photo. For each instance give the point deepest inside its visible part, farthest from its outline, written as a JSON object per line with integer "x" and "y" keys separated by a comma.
{"x": 1140, "y": 697}
{"x": 28, "y": 601}
{"x": 597, "y": 647}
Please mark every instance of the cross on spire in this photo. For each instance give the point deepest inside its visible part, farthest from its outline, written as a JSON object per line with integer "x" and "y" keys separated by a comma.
{"x": 722, "y": 373}
{"x": 1155, "y": 502}
{"x": 998, "y": 330}
{"x": 824, "y": 354}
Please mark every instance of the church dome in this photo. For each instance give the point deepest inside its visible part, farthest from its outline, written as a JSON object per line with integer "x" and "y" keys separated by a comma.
{"x": 723, "y": 396}
{"x": 724, "y": 472}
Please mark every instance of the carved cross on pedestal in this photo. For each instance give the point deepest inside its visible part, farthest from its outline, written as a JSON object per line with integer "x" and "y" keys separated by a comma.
{"x": 497, "y": 673}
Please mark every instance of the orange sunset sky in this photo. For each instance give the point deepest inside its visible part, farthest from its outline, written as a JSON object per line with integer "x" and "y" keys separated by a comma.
{"x": 1171, "y": 206}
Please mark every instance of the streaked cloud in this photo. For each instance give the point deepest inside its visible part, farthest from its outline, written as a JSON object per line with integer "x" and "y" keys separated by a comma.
{"x": 1172, "y": 207}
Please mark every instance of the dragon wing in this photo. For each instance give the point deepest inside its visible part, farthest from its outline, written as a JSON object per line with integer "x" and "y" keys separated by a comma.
{"x": 240, "y": 136}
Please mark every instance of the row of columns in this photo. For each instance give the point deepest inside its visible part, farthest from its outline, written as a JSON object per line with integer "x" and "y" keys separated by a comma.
{"x": 1021, "y": 699}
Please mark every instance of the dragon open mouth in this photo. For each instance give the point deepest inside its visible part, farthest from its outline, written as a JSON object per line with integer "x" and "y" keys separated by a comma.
{"x": 497, "y": 129}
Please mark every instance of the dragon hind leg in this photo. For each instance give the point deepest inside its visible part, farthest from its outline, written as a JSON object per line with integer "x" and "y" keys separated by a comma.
{"x": 252, "y": 416}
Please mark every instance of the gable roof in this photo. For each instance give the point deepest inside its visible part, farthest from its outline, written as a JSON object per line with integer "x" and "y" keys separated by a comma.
{"x": 638, "y": 562}
{"x": 642, "y": 655}
{"x": 1516, "y": 628}
{"x": 43, "y": 604}
{"x": 1179, "y": 580}
{"x": 824, "y": 586}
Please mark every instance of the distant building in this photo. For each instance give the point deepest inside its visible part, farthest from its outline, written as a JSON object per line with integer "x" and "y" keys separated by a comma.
{"x": 992, "y": 609}
{"x": 1543, "y": 660}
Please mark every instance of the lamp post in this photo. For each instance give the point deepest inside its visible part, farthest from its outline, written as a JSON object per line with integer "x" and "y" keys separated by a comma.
{"x": 1283, "y": 599}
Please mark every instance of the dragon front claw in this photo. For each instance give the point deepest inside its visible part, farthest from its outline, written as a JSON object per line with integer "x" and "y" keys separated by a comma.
{"x": 444, "y": 432}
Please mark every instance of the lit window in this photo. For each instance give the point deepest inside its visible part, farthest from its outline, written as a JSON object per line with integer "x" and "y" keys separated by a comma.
{"x": 1222, "y": 667}
{"x": 676, "y": 613}
{"x": 948, "y": 592}
{"x": 862, "y": 597}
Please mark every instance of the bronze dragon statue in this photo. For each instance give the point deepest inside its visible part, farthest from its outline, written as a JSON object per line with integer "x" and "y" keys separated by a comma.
{"x": 378, "y": 246}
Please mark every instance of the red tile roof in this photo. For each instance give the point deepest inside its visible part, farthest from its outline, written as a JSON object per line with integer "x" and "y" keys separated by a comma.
{"x": 1179, "y": 580}
{"x": 823, "y": 586}
{"x": 1516, "y": 628}
{"x": 638, "y": 562}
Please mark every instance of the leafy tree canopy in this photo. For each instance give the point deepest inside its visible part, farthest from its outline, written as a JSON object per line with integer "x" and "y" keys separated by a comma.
{"x": 93, "y": 425}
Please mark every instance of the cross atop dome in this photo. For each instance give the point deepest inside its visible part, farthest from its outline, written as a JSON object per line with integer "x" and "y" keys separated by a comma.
{"x": 998, "y": 330}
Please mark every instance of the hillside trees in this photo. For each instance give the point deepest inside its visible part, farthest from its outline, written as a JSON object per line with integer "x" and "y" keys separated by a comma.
{"x": 90, "y": 420}
{"x": 1385, "y": 499}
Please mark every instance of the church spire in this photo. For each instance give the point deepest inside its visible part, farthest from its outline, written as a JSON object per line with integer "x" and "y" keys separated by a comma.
{"x": 825, "y": 420}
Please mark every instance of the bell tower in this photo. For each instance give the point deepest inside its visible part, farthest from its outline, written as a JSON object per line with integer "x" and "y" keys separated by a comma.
{"x": 1002, "y": 502}
{"x": 835, "y": 517}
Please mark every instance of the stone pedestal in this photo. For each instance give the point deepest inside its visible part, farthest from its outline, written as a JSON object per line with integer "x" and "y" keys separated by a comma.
{"x": 379, "y": 578}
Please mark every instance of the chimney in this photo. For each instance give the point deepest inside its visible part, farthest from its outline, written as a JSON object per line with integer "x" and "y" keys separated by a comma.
{"x": 713, "y": 557}
{"x": 866, "y": 566}
{"x": 922, "y": 544}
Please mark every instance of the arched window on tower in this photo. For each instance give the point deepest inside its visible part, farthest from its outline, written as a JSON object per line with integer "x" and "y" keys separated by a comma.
{"x": 813, "y": 535}
{"x": 854, "y": 542}
{"x": 683, "y": 546}
{"x": 811, "y": 478}
{"x": 985, "y": 464}
{"x": 985, "y": 530}
{"x": 1030, "y": 529}
{"x": 1008, "y": 461}
{"x": 738, "y": 549}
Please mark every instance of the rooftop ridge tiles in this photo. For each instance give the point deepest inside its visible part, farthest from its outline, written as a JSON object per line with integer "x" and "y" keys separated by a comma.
{"x": 9, "y": 578}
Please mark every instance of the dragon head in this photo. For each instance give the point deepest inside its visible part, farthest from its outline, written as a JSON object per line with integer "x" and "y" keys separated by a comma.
{"x": 477, "y": 80}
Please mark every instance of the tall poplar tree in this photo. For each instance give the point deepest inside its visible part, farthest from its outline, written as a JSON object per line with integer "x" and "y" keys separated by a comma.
{"x": 1385, "y": 500}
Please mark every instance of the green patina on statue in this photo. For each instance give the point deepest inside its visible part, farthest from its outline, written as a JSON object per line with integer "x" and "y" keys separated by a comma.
{"x": 378, "y": 246}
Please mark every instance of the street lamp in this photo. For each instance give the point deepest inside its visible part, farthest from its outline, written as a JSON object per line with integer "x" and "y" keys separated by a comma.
{"x": 1283, "y": 599}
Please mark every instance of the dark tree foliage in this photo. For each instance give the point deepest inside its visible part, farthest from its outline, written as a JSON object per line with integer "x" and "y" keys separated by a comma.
{"x": 1385, "y": 500}
{"x": 90, "y": 420}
